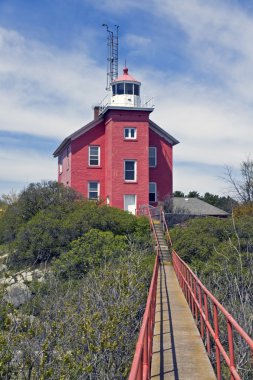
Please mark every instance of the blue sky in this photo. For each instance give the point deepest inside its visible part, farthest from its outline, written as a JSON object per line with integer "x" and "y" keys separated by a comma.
{"x": 194, "y": 56}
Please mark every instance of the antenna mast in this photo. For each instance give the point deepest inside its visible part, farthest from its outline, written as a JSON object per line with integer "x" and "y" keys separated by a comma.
{"x": 112, "y": 58}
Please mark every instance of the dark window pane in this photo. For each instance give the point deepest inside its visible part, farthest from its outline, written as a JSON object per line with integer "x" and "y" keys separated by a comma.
{"x": 151, "y": 197}
{"x": 151, "y": 161}
{"x": 129, "y": 165}
{"x": 136, "y": 89}
{"x": 152, "y": 156}
{"x": 114, "y": 89}
{"x": 93, "y": 195}
{"x": 93, "y": 186}
{"x": 120, "y": 88}
{"x": 129, "y": 175}
{"x": 129, "y": 88}
{"x": 93, "y": 161}
{"x": 126, "y": 132}
{"x": 132, "y": 132}
{"x": 93, "y": 150}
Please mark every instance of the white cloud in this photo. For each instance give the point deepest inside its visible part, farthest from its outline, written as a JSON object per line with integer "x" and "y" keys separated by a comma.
{"x": 137, "y": 41}
{"x": 47, "y": 91}
{"x": 44, "y": 90}
{"x": 26, "y": 166}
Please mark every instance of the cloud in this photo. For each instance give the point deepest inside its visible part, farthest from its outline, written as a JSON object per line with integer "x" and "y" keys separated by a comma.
{"x": 137, "y": 41}
{"x": 199, "y": 68}
{"x": 45, "y": 90}
{"x": 26, "y": 166}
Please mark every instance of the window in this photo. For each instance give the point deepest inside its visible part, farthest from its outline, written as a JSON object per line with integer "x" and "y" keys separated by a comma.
{"x": 94, "y": 155}
{"x": 130, "y": 170}
{"x": 152, "y": 192}
{"x": 129, "y": 88}
{"x": 136, "y": 89}
{"x": 93, "y": 190}
{"x": 130, "y": 133}
{"x": 60, "y": 165}
{"x": 120, "y": 88}
{"x": 68, "y": 157}
{"x": 152, "y": 157}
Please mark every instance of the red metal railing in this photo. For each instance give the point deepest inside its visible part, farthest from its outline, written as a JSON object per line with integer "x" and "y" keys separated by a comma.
{"x": 207, "y": 317}
{"x": 199, "y": 299}
{"x": 142, "y": 359}
{"x": 141, "y": 364}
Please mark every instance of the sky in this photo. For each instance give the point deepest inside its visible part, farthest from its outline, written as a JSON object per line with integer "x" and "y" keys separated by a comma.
{"x": 195, "y": 57}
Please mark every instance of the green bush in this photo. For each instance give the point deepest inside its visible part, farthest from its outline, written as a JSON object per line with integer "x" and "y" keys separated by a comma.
{"x": 90, "y": 251}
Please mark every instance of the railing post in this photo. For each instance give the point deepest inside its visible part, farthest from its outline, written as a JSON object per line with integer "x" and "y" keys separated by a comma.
{"x": 201, "y": 316}
{"x": 231, "y": 348}
{"x": 145, "y": 364}
{"x": 217, "y": 350}
{"x": 208, "y": 346}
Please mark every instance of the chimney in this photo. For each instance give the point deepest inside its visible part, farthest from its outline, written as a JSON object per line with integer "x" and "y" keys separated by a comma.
{"x": 96, "y": 112}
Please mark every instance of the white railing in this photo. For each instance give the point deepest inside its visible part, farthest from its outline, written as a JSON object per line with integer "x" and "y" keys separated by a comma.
{"x": 146, "y": 102}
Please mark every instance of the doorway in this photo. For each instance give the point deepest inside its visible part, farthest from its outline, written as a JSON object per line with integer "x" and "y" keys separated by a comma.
{"x": 130, "y": 203}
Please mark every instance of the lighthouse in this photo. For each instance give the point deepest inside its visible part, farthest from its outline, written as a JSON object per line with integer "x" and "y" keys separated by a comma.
{"x": 121, "y": 157}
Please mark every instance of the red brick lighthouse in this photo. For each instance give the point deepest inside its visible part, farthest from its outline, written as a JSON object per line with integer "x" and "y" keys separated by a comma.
{"x": 121, "y": 157}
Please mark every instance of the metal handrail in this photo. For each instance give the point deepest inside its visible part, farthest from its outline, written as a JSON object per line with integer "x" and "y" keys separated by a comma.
{"x": 141, "y": 364}
{"x": 198, "y": 298}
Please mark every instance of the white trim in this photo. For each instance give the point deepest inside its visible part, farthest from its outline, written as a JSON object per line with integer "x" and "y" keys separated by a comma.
{"x": 89, "y": 155}
{"x": 135, "y": 171}
{"x": 135, "y": 201}
{"x": 98, "y": 189}
{"x": 149, "y": 192}
{"x": 155, "y": 148}
{"x": 129, "y": 133}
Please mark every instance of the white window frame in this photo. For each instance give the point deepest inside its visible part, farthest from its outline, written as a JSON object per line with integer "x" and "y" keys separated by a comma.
{"x": 68, "y": 153}
{"x": 155, "y": 192}
{"x": 129, "y": 137}
{"x": 90, "y": 156}
{"x": 135, "y": 171}
{"x": 155, "y": 156}
{"x": 60, "y": 164}
{"x": 90, "y": 191}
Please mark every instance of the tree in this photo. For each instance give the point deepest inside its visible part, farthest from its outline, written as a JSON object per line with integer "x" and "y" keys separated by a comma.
{"x": 178, "y": 194}
{"x": 243, "y": 187}
{"x": 193, "y": 194}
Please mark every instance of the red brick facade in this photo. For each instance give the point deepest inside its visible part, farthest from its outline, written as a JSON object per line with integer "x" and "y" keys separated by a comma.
{"x": 121, "y": 174}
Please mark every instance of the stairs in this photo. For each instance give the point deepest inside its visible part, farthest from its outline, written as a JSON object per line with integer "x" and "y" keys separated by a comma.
{"x": 162, "y": 242}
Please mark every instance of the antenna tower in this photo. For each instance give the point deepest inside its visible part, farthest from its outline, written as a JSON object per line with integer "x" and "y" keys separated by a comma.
{"x": 112, "y": 58}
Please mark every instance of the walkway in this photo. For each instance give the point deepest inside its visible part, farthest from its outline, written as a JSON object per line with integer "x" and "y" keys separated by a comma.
{"x": 178, "y": 351}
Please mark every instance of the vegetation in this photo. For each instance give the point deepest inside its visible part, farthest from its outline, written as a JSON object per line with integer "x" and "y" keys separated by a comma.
{"x": 99, "y": 264}
{"x": 220, "y": 251}
{"x": 242, "y": 187}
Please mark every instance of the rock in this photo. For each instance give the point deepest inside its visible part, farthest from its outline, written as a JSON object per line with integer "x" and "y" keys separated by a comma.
{"x": 17, "y": 294}
{"x": 3, "y": 268}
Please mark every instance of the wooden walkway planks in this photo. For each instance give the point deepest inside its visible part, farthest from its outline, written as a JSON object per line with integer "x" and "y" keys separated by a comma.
{"x": 178, "y": 351}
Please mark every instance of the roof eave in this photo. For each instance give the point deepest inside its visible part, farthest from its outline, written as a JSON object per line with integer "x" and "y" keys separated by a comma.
{"x": 163, "y": 133}
{"x": 76, "y": 134}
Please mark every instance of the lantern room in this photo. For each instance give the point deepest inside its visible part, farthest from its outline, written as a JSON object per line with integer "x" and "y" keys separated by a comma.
{"x": 126, "y": 91}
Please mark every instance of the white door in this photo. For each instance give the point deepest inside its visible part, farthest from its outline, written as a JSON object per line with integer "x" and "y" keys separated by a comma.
{"x": 130, "y": 203}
